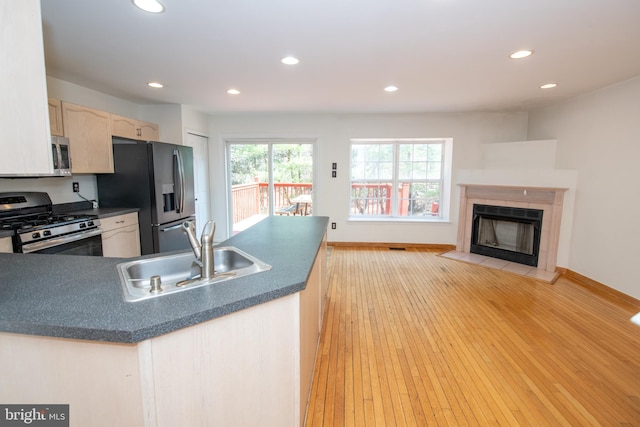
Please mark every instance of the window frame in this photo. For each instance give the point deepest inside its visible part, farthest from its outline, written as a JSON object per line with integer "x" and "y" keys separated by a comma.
{"x": 393, "y": 216}
{"x": 269, "y": 141}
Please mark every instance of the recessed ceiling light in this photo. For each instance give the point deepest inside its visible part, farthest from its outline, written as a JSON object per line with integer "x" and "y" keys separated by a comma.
{"x": 548, "y": 86}
{"x": 155, "y": 85}
{"x": 391, "y": 88}
{"x": 521, "y": 54}
{"x": 290, "y": 60}
{"x": 153, "y": 6}
{"x": 233, "y": 92}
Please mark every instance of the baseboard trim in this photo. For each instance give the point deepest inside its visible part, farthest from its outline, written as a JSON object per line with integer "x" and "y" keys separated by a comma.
{"x": 600, "y": 288}
{"x": 427, "y": 246}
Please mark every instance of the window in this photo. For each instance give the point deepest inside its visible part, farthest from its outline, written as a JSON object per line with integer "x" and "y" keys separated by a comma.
{"x": 399, "y": 178}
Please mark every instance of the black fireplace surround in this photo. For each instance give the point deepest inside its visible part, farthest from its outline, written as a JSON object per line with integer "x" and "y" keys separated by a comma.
{"x": 508, "y": 233}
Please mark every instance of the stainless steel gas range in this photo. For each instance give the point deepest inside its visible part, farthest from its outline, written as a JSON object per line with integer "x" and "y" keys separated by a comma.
{"x": 37, "y": 229}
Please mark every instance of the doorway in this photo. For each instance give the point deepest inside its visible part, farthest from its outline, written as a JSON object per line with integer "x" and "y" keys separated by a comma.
{"x": 200, "y": 145}
{"x": 268, "y": 177}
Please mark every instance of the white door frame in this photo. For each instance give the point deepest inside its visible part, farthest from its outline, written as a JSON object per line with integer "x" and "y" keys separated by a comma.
{"x": 201, "y": 178}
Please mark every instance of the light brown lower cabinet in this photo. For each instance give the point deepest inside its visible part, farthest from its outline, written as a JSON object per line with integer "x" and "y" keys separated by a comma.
{"x": 120, "y": 236}
{"x": 6, "y": 245}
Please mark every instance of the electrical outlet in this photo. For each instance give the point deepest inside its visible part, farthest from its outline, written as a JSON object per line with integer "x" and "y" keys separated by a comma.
{"x": 76, "y": 187}
{"x": 333, "y": 225}
{"x": 95, "y": 204}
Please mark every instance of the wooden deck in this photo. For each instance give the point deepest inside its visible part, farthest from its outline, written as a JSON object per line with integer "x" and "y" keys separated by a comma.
{"x": 414, "y": 339}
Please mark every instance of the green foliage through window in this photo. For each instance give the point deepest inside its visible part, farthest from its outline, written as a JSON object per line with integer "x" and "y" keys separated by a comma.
{"x": 292, "y": 163}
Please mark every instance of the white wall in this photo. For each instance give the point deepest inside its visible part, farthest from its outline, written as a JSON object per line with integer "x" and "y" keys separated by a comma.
{"x": 81, "y": 95}
{"x": 168, "y": 117}
{"x": 194, "y": 121}
{"x": 59, "y": 188}
{"x": 599, "y": 136}
{"x": 333, "y": 132}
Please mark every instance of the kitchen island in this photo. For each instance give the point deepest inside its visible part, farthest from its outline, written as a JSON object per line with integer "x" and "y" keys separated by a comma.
{"x": 240, "y": 352}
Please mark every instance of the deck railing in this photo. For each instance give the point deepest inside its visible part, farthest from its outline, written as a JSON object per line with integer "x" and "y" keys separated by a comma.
{"x": 253, "y": 199}
{"x": 368, "y": 199}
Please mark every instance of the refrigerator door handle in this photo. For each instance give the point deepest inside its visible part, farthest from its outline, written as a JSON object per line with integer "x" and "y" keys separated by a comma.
{"x": 179, "y": 180}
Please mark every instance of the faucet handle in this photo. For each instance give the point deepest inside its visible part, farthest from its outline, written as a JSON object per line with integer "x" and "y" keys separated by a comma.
{"x": 207, "y": 233}
{"x": 189, "y": 227}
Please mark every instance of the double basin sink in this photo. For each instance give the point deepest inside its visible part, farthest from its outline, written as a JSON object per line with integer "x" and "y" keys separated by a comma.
{"x": 163, "y": 275}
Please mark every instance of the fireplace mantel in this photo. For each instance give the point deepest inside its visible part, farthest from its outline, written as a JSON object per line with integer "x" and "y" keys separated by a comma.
{"x": 547, "y": 199}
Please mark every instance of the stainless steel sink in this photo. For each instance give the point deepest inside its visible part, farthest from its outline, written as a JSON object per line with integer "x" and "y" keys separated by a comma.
{"x": 176, "y": 273}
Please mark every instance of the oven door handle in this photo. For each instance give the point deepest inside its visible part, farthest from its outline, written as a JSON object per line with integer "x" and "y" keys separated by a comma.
{"x": 49, "y": 243}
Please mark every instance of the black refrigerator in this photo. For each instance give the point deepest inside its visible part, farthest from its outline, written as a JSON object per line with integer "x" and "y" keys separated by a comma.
{"x": 157, "y": 178}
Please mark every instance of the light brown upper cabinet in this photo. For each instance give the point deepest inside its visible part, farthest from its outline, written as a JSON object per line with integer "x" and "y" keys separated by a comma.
{"x": 134, "y": 129}
{"x": 89, "y": 133}
{"x": 55, "y": 117}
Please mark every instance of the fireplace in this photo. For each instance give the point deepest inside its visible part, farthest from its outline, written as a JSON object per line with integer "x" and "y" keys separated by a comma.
{"x": 506, "y": 232}
{"x": 547, "y": 201}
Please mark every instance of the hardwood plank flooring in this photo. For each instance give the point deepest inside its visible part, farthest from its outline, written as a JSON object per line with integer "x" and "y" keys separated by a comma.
{"x": 414, "y": 339}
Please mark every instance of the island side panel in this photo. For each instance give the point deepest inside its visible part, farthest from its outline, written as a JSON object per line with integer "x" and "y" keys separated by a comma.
{"x": 324, "y": 278}
{"x": 236, "y": 370}
{"x": 99, "y": 381}
{"x": 311, "y": 301}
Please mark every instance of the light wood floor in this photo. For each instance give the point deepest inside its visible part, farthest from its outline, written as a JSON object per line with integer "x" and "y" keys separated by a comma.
{"x": 414, "y": 339}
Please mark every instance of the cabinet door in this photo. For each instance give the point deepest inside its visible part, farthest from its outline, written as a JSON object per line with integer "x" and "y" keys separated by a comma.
{"x": 25, "y": 140}
{"x": 89, "y": 133}
{"x": 124, "y": 127}
{"x": 6, "y": 245}
{"x": 122, "y": 242}
{"x": 120, "y": 236}
{"x": 148, "y": 131}
{"x": 133, "y": 129}
{"x": 55, "y": 117}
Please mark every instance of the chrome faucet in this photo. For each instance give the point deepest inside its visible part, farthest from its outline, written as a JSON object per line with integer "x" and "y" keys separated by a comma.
{"x": 202, "y": 250}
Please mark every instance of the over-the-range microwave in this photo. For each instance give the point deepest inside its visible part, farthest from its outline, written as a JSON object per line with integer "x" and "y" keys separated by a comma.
{"x": 61, "y": 156}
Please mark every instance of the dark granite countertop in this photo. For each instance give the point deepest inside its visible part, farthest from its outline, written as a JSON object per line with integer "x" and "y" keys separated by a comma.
{"x": 106, "y": 212}
{"x": 81, "y": 297}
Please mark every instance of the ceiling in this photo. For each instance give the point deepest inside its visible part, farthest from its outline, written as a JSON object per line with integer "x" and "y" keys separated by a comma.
{"x": 443, "y": 55}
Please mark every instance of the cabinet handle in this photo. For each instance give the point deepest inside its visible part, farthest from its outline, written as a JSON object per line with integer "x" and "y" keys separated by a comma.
{"x": 120, "y": 222}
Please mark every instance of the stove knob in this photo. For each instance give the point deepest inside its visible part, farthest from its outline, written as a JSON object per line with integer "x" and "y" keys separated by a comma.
{"x": 35, "y": 236}
{"x": 90, "y": 224}
{"x": 83, "y": 225}
{"x": 46, "y": 233}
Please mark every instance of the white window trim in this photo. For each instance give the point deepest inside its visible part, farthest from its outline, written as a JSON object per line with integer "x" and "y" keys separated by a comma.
{"x": 269, "y": 140}
{"x": 445, "y": 195}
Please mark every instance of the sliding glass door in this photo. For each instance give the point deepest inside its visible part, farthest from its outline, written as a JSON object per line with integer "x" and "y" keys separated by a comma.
{"x": 269, "y": 177}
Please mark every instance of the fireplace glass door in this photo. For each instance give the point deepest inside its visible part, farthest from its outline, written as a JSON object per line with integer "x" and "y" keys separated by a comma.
{"x": 508, "y": 233}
